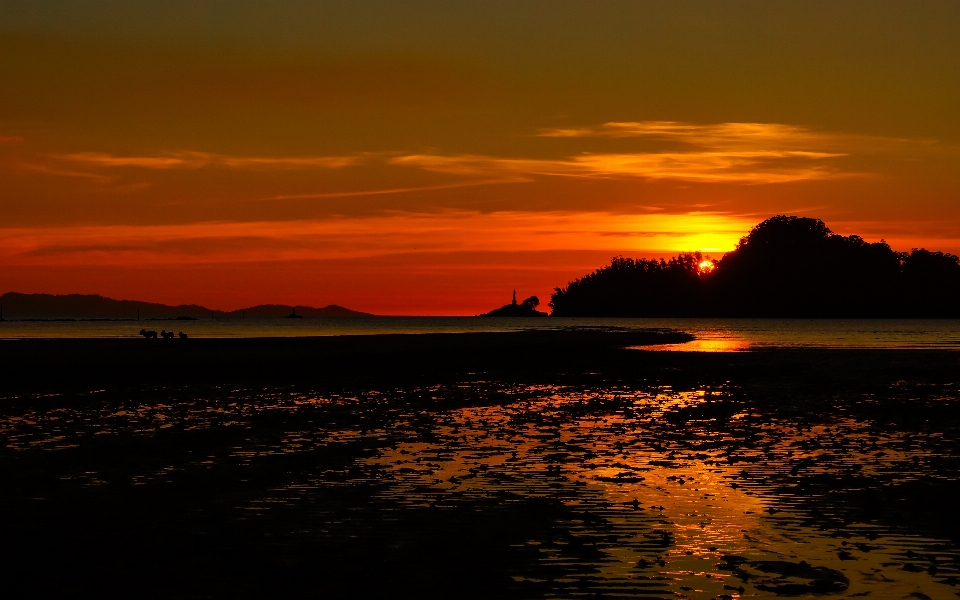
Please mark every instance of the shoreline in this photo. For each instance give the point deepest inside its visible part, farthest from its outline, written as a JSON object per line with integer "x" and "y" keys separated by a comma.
{"x": 64, "y": 365}
{"x": 59, "y": 363}
{"x": 711, "y": 335}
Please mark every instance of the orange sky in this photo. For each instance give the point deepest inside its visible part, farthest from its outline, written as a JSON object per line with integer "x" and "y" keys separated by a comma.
{"x": 429, "y": 158}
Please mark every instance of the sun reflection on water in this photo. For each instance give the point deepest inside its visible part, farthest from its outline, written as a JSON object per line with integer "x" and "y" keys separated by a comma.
{"x": 701, "y": 345}
{"x": 686, "y": 493}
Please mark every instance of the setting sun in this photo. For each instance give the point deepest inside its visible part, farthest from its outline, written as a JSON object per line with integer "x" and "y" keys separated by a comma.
{"x": 315, "y": 155}
{"x": 480, "y": 299}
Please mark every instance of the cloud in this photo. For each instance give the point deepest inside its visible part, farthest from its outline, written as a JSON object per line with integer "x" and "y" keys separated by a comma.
{"x": 743, "y": 153}
{"x": 95, "y": 177}
{"x": 198, "y": 160}
{"x": 359, "y": 237}
{"x": 400, "y": 190}
{"x": 738, "y": 153}
{"x": 756, "y": 167}
{"x": 748, "y": 153}
{"x": 725, "y": 136}
{"x": 678, "y": 129}
{"x": 734, "y": 167}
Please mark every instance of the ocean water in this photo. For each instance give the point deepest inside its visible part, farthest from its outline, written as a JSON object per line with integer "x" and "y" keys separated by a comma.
{"x": 604, "y": 486}
{"x": 705, "y": 477}
{"x": 712, "y": 335}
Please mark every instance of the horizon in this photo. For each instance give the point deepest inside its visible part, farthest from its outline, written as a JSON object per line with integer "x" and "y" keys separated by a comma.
{"x": 426, "y": 159}
{"x": 714, "y": 263}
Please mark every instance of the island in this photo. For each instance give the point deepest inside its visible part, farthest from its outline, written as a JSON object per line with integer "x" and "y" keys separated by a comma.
{"x": 527, "y": 308}
{"x": 785, "y": 267}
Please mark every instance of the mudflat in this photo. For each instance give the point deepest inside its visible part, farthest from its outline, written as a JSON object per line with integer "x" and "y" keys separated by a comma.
{"x": 57, "y": 364}
{"x": 514, "y": 465}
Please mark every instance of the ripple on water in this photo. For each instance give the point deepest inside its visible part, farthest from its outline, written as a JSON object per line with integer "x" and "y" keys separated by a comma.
{"x": 692, "y": 493}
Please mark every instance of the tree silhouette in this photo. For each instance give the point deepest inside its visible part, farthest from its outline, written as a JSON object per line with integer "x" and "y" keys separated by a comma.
{"x": 794, "y": 266}
{"x": 787, "y": 266}
{"x": 931, "y": 283}
{"x": 634, "y": 288}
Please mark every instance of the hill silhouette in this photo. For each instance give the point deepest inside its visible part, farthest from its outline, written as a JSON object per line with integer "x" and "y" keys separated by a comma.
{"x": 93, "y": 306}
{"x": 284, "y": 310}
{"x": 90, "y": 306}
{"x": 787, "y": 266}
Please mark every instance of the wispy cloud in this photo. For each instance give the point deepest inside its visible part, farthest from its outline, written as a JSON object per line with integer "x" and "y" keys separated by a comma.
{"x": 743, "y": 153}
{"x": 749, "y": 153}
{"x": 758, "y": 166}
{"x": 739, "y": 144}
{"x": 727, "y": 136}
{"x": 398, "y": 190}
{"x": 198, "y": 160}
{"x": 95, "y": 177}
{"x": 378, "y": 235}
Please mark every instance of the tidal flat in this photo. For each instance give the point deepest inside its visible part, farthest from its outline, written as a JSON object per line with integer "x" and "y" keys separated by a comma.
{"x": 565, "y": 464}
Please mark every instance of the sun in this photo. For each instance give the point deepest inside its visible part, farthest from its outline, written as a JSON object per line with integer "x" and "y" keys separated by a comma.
{"x": 707, "y": 266}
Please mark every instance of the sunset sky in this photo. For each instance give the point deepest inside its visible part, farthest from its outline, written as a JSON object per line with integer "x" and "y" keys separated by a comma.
{"x": 431, "y": 157}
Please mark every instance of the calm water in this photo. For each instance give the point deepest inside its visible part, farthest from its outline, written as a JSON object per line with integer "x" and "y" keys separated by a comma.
{"x": 820, "y": 474}
{"x": 711, "y": 334}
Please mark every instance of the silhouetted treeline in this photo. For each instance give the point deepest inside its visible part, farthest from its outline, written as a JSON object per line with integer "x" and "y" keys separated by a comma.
{"x": 634, "y": 288}
{"x": 785, "y": 267}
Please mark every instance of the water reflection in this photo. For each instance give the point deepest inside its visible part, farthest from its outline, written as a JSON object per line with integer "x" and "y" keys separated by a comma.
{"x": 698, "y": 493}
{"x": 701, "y": 345}
{"x": 711, "y": 334}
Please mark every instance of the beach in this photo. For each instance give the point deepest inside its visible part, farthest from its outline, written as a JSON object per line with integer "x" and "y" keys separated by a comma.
{"x": 479, "y": 300}
{"x": 524, "y": 465}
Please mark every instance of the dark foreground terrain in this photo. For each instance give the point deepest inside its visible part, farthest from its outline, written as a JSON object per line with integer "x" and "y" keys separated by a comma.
{"x": 513, "y": 465}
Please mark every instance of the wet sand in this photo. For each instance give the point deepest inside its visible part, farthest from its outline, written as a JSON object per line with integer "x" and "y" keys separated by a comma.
{"x": 58, "y": 364}
{"x": 555, "y": 464}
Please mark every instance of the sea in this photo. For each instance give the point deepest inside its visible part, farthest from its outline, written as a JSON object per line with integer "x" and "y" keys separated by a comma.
{"x": 712, "y": 335}
{"x": 687, "y": 476}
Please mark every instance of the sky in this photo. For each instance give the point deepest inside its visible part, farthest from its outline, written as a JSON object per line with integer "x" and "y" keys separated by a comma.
{"x": 429, "y": 158}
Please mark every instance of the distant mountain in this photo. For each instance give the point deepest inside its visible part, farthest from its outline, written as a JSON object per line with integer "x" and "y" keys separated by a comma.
{"x": 90, "y": 306}
{"x": 18, "y": 306}
{"x": 284, "y": 310}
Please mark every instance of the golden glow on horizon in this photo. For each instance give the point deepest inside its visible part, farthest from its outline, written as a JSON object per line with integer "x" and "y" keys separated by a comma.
{"x": 363, "y": 237}
{"x": 428, "y": 161}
